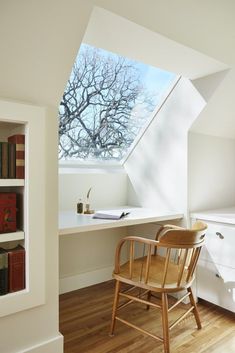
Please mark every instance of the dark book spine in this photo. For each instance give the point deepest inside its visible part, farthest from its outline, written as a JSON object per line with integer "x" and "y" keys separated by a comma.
{"x": 16, "y": 270}
{"x": 4, "y": 160}
{"x": 3, "y": 272}
{"x": 11, "y": 160}
{"x": 19, "y": 140}
{"x": 0, "y": 159}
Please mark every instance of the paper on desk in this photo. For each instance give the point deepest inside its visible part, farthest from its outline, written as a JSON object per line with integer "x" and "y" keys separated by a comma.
{"x": 110, "y": 214}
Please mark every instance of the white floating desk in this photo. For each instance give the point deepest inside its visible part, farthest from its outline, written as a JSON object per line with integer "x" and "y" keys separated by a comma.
{"x": 70, "y": 222}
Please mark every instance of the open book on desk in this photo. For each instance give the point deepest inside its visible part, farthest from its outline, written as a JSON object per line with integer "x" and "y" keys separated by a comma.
{"x": 110, "y": 214}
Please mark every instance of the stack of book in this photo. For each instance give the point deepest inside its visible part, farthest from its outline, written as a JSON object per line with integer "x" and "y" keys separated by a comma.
{"x": 12, "y": 270}
{"x": 12, "y": 157}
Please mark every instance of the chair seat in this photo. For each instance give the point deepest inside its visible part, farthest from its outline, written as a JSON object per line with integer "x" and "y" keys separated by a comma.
{"x": 155, "y": 278}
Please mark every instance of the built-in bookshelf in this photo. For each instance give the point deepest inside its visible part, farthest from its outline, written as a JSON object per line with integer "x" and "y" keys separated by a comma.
{"x": 29, "y": 187}
{"x": 12, "y": 200}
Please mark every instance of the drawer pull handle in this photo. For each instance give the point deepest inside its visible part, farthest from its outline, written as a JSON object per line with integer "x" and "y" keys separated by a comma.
{"x": 217, "y": 275}
{"x": 220, "y": 235}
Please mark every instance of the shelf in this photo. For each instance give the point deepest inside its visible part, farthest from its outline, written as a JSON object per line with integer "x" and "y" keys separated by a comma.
{"x": 19, "y": 235}
{"x": 11, "y": 182}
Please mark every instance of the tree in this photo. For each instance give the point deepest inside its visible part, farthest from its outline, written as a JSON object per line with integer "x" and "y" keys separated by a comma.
{"x": 98, "y": 112}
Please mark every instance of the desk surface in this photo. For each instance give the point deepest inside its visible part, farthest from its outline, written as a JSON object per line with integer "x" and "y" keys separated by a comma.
{"x": 70, "y": 222}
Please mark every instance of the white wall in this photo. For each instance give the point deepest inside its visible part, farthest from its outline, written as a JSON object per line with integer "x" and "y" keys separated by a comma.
{"x": 39, "y": 47}
{"x": 211, "y": 166}
{"x": 108, "y": 189}
{"x": 157, "y": 167}
{"x": 207, "y": 85}
{"x": 88, "y": 258}
{"x": 218, "y": 117}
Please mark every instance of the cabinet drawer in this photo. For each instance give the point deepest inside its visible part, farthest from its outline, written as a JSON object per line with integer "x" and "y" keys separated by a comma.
{"x": 214, "y": 287}
{"x": 219, "y": 245}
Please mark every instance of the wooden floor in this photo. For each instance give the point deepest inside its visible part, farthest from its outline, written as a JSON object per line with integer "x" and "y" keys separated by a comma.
{"x": 85, "y": 318}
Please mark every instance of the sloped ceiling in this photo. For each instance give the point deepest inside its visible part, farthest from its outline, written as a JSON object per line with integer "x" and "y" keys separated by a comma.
{"x": 39, "y": 42}
{"x": 204, "y": 25}
{"x": 114, "y": 33}
{"x": 40, "y": 39}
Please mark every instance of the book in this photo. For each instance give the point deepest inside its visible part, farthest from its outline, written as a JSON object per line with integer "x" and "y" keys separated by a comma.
{"x": 7, "y": 212}
{"x": 110, "y": 214}
{"x": 19, "y": 141}
{"x": 11, "y": 160}
{"x": 0, "y": 159}
{"x": 16, "y": 269}
{"x": 4, "y": 160}
{"x": 3, "y": 271}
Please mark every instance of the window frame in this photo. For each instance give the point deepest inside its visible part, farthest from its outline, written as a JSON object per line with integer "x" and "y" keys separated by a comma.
{"x": 76, "y": 166}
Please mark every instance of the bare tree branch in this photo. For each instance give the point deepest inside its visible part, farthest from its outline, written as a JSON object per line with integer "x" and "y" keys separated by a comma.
{"x": 97, "y": 106}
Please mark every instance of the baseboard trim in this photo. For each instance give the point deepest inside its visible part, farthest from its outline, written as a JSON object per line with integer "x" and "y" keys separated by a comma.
{"x": 81, "y": 280}
{"x": 53, "y": 345}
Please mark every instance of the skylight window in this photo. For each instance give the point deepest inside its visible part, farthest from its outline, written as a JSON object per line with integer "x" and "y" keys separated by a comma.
{"x": 107, "y": 102}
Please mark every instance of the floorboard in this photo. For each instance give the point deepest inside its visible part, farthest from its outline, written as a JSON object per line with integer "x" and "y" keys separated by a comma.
{"x": 85, "y": 318}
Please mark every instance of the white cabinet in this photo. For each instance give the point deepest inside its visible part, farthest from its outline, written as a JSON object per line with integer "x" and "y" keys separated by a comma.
{"x": 216, "y": 267}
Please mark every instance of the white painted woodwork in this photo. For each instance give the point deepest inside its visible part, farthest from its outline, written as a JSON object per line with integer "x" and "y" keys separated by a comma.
{"x": 212, "y": 287}
{"x": 216, "y": 266}
{"x": 11, "y": 182}
{"x": 219, "y": 215}
{"x": 70, "y": 222}
{"x": 7, "y": 237}
{"x": 30, "y": 121}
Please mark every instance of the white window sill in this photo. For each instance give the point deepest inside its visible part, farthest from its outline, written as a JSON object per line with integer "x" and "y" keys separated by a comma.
{"x": 97, "y": 168}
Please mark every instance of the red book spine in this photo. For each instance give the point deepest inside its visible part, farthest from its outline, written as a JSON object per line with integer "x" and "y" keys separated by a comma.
{"x": 7, "y": 212}
{"x": 16, "y": 269}
{"x": 19, "y": 140}
{"x": 8, "y": 198}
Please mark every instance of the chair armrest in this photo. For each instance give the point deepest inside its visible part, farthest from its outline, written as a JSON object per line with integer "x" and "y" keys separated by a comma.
{"x": 132, "y": 240}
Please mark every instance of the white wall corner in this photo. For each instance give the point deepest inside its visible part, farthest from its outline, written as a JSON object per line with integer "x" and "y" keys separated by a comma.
{"x": 207, "y": 85}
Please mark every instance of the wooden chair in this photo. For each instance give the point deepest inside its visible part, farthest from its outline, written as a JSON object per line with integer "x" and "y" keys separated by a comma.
{"x": 167, "y": 267}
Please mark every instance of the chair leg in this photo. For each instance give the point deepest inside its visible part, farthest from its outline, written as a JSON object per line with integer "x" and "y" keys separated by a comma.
{"x": 165, "y": 325}
{"x": 115, "y": 304}
{"x": 195, "y": 310}
{"x": 148, "y": 299}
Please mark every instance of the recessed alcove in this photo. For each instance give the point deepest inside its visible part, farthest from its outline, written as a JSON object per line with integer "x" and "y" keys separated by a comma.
{"x": 155, "y": 174}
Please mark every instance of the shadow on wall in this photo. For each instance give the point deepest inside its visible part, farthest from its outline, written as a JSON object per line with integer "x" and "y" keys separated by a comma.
{"x": 157, "y": 167}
